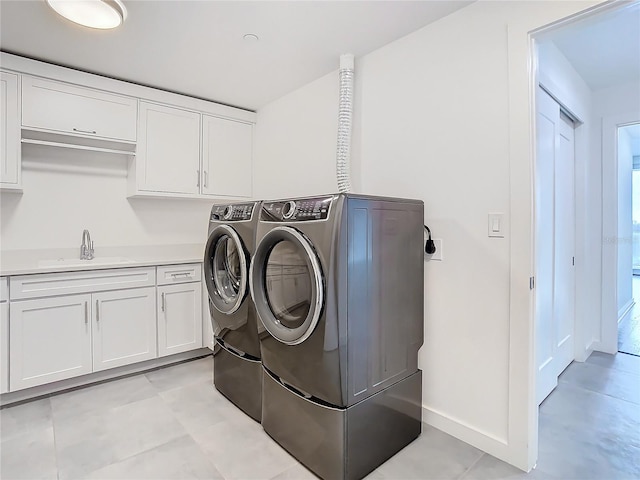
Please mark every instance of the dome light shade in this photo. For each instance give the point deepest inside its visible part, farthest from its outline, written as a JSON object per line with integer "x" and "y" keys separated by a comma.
{"x": 102, "y": 14}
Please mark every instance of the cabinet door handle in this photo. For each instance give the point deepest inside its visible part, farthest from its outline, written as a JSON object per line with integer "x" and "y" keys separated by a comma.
{"x": 162, "y": 301}
{"x": 204, "y": 179}
{"x": 198, "y": 176}
{"x": 180, "y": 274}
{"x": 92, "y": 132}
{"x": 86, "y": 312}
{"x": 97, "y": 310}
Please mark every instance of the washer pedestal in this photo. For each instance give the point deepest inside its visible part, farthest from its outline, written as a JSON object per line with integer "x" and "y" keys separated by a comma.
{"x": 239, "y": 379}
{"x": 344, "y": 443}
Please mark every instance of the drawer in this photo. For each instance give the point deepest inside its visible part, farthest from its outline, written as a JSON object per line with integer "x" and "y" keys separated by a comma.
{"x": 50, "y": 284}
{"x": 4, "y": 289}
{"x": 76, "y": 110}
{"x": 170, "y": 274}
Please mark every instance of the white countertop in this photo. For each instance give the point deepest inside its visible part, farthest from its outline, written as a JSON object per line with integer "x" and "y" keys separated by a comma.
{"x": 24, "y": 262}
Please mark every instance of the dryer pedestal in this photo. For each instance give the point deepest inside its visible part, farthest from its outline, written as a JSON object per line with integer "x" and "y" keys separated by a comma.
{"x": 239, "y": 379}
{"x": 344, "y": 443}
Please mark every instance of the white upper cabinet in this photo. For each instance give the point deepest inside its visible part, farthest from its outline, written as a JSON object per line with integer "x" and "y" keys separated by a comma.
{"x": 168, "y": 154}
{"x": 9, "y": 132}
{"x": 69, "y": 109}
{"x": 227, "y": 150}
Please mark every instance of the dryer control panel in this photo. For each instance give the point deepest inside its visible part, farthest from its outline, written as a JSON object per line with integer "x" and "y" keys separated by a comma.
{"x": 237, "y": 212}
{"x": 299, "y": 210}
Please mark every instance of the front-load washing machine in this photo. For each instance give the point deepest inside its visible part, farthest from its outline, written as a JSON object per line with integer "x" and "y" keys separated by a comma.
{"x": 337, "y": 283}
{"x": 237, "y": 370}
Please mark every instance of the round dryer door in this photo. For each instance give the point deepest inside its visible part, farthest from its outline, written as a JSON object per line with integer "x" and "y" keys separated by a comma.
{"x": 225, "y": 269}
{"x": 286, "y": 285}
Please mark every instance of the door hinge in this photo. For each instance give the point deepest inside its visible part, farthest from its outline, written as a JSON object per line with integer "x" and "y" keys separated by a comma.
{"x": 532, "y": 283}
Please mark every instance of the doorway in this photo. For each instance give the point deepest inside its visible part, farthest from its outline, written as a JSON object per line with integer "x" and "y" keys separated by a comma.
{"x": 628, "y": 150}
{"x": 566, "y": 56}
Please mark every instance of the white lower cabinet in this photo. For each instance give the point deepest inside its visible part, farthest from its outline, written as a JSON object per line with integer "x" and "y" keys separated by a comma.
{"x": 4, "y": 347}
{"x": 179, "y": 318}
{"x": 124, "y": 327}
{"x": 56, "y": 326}
{"x": 50, "y": 340}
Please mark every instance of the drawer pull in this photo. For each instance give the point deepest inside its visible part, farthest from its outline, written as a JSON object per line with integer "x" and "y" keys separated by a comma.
{"x": 181, "y": 274}
{"x": 92, "y": 132}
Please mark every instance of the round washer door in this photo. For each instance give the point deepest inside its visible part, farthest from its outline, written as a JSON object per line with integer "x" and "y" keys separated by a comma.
{"x": 225, "y": 266}
{"x": 286, "y": 285}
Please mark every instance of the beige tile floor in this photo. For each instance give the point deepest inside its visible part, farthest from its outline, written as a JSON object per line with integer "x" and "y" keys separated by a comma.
{"x": 172, "y": 424}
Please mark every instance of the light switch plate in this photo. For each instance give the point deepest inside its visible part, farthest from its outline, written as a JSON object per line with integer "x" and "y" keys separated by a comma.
{"x": 496, "y": 225}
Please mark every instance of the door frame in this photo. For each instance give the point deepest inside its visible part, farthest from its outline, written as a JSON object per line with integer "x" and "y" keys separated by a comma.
{"x": 608, "y": 339}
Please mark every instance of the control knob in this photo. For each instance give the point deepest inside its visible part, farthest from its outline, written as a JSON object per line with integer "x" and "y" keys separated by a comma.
{"x": 228, "y": 212}
{"x": 289, "y": 209}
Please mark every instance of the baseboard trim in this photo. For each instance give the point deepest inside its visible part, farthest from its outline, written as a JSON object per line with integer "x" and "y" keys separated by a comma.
{"x": 626, "y": 310}
{"x": 98, "y": 377}
{"x": 491, "y": 444}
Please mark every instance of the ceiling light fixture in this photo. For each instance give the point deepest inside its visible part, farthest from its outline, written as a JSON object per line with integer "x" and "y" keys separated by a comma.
{"x": 102, "y": 14}
{"x": 251, "y": 37}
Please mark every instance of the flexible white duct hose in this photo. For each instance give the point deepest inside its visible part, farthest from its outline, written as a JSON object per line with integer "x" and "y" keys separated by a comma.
{"x": 345, "y": 114}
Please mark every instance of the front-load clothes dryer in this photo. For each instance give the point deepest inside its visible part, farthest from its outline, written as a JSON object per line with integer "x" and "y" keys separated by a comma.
{"x": 237, "y": 370}
{"x": 337, "y": 283}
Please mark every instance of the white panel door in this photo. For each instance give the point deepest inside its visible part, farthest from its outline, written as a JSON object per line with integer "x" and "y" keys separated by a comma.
{"x": 227, "y": 152}
{"x": 4, "y": 347}
{"x": 179, "y": 318}
{"x": 50, "y": 340}
{"x": 168, "y": 154}
{"x": 9, "y": 131}
{"x": 124, "y": 327}
{"x": 564, "y": 297}
{"x": 555, "y": 244}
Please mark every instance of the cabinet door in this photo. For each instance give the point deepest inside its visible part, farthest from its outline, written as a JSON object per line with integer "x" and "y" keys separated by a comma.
{"x": 124, "y": 327}
{"x": 4, "y": 347}
{"x": 65, "y": 108}
{"x": 179, "y": 318}
{"x": 168, "y": 155}
{"x": 50, "y": 340}
{"x": 9, "y": 131}
{"x": 226, "y": 157}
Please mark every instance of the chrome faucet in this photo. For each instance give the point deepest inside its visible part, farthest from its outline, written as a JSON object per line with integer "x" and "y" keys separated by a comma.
{"x": 86, "y": 249}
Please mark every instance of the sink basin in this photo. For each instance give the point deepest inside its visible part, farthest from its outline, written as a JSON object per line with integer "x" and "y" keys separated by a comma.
{"x": 76, "y": 262}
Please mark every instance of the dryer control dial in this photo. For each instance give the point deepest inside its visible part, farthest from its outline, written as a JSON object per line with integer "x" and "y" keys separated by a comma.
{"x": 228, "y": 212}
{"x": 289, "y": 209}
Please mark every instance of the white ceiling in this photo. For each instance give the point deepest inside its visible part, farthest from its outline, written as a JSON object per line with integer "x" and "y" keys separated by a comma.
{"x": 197, "y": 47}
{"x": 604, "y": 49}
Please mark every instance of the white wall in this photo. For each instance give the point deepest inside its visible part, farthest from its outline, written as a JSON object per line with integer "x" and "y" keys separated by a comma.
{"x": 442, "y": 115}
{"x": 295, "y": 142}
{"x": 66, "y": 191}
{"x": 625, "y": 223}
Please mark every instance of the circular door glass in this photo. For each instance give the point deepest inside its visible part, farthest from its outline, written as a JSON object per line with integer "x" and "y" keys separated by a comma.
{"x": 288, "y": 284}
{"x": 226, "y": 269}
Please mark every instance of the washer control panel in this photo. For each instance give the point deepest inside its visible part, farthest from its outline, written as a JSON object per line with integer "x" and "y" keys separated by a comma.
{"x": 300, "y": 210}
{"x": 237, "y": 212}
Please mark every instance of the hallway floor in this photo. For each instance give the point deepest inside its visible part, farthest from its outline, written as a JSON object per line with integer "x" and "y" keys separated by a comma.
{"x": 629, "y": 328}
{"x": 171, "y": 423}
